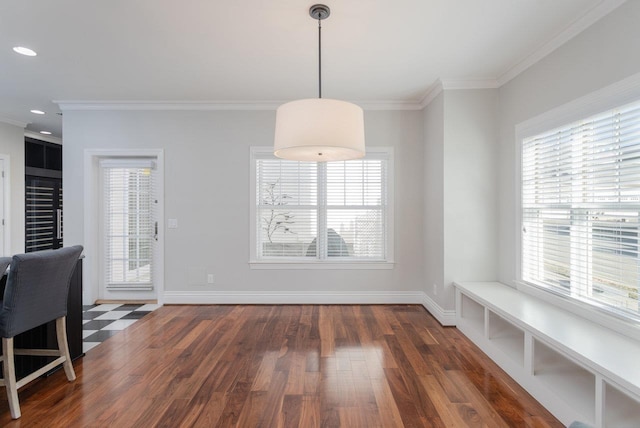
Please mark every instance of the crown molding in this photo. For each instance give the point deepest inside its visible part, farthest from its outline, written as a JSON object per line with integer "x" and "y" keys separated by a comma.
{"x": 78, "y": 105}
{"x": 432, "y": 92}
{"x": 453, "y": 84}
{"x": 573, "y": 29}
{"x": 42, "y": 137}
{"x": 14, "y": 122}
{"x": 73, "y": 105}
{"x": 389, "y": 105}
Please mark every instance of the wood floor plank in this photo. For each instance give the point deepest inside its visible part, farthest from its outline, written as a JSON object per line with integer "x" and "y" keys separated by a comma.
{"x": 406, "y": 404}
{"x": 253, "y": 409}
{"x": 282, "y": 366}
{"x": 386, "y": 404}
{"x": 291, "y": 411}
{"x": 451, "y": 389}
{"x": 443, "y": 406}
{"x": 211, "y": 410}
{"x": 326, "y": 332}
{"x": 310, "y": 411}
{"x": 296, "y": 375}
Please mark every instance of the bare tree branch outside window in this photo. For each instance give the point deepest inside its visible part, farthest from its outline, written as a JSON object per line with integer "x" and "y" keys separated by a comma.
{"x": 275, "y": 220}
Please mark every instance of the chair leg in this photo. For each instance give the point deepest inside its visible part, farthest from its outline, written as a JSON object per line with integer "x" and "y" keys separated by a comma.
{"x": 9, "y": 373}
{"x": 63, "y": 346}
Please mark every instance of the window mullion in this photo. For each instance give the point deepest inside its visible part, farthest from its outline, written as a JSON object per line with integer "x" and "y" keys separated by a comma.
{"x": 580, "y": 242}
{"x": 322, "y": 211}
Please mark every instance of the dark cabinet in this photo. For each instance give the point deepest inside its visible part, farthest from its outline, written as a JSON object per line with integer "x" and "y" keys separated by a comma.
{"x": 43, "y": 213}
{"x": 44, "y": 231}
{"x": 42, "y": 155}
{"x": 43, "y": 195}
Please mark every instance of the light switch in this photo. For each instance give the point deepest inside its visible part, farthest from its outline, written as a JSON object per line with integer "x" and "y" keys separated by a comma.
{"x": 172, "y": 223}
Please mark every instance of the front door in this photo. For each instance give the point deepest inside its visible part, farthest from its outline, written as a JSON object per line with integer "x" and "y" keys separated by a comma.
{"x": 129, "y": 228}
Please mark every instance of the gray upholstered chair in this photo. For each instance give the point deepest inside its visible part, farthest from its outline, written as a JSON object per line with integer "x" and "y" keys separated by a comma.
{"x": 36, "y": 292}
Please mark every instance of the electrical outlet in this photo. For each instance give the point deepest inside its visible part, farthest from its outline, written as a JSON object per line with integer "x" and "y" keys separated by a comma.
{"x": 435, "y": 289}
{"x": 210, "y": 278}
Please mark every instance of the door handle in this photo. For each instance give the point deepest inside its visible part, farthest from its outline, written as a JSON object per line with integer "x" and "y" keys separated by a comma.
{"x": 155, "y": 235}
{"x": 59, "y": 223}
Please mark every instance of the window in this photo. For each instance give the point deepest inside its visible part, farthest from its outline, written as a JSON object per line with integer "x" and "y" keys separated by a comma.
{"x": 581, "y": 210}
{"x": 129, "y": 227}
{"x": 308, "y": 212}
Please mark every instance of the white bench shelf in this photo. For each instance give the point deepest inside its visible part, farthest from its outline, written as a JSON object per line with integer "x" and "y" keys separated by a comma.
{"x": 577, "y": 369}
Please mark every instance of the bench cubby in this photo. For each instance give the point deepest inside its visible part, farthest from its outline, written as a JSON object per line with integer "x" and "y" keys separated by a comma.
{"x": 620, "y": 409}
{"x": 506, "y": 337}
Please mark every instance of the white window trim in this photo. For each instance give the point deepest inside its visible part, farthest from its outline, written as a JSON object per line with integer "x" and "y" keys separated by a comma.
{"x": 610, "y": 97}
{"x": 255, "y": 263}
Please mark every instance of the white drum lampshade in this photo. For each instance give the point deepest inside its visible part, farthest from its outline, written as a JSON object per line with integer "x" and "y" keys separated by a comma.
{"x": 319, "y": 130}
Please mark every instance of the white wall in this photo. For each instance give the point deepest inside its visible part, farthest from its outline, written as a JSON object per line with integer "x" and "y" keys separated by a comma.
{"x": 603, "y": 54}
{"x": 470, "y": 182}
{"x": 207, "y": 189}
{"x": 434, "y": 199}
{"x": 460, "y": 194}
{"x": 12, "y": 144}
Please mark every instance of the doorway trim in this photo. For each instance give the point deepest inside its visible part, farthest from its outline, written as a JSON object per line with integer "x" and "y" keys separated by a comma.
{"x": 92, "y": 217}
{"x": 6, "y": 200}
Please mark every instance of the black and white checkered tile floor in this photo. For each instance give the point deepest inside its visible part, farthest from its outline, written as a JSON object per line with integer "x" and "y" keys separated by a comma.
{"x": 100, "y": 322}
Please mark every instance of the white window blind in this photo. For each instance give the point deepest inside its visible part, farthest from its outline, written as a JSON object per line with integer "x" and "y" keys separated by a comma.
{"x": 581, "y": 208}
{"x": 321, "y": 211}
{"x": 129, "y": 227}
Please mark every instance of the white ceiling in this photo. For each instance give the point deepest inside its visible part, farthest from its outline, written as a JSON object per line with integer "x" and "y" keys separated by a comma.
{"x": 258, "y": 51}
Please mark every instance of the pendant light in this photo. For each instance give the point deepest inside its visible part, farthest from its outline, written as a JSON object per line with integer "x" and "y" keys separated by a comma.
{"x": 319, "y": 129}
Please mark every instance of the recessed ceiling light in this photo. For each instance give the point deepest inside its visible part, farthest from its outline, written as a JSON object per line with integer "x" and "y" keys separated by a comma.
{"x": 45, "y": 132}
{"x": 37, "y": 112}
{"x": 24, "y": 51}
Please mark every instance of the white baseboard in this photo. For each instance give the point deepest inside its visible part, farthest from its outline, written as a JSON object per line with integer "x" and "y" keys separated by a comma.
{"x": 289, "y": 297}
{"x": 446, "y": 317}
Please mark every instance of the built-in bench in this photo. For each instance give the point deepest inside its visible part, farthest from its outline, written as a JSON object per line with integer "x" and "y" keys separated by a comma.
{"x": 577, "y": 369}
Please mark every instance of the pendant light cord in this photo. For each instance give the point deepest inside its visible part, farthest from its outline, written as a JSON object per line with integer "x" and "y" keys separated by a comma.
{"x": 319, "y": 58}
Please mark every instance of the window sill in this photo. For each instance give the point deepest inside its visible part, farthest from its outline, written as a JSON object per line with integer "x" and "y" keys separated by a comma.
{"x": 294, "y": 265}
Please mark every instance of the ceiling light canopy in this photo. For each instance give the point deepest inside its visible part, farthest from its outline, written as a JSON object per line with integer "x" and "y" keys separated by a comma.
{"x": 24, "y": 51}
{"x": 319, "y": 129}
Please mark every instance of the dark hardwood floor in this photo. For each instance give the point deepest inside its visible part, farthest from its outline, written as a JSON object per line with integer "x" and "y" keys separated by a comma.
{"x": 282, "y": 366}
